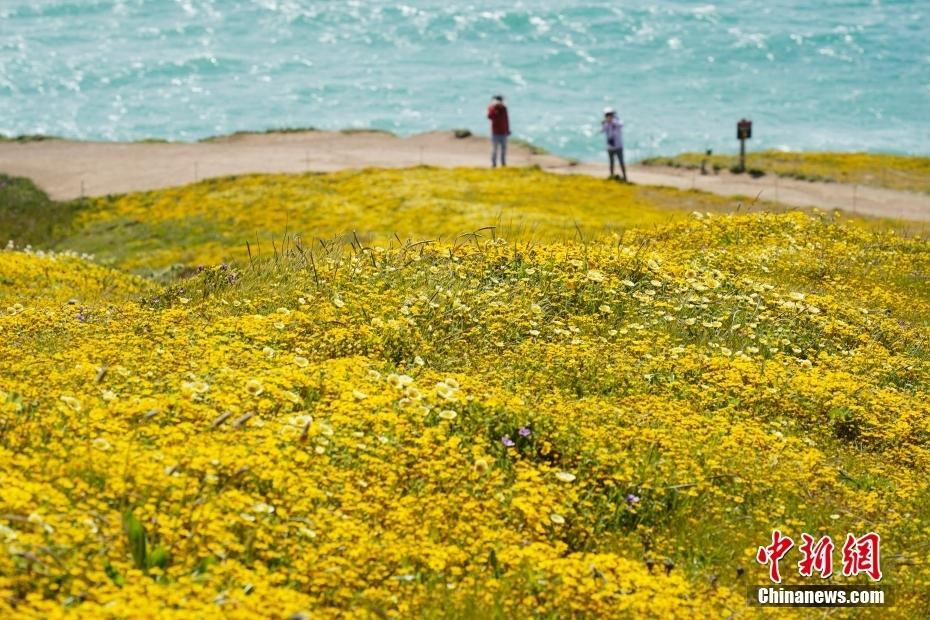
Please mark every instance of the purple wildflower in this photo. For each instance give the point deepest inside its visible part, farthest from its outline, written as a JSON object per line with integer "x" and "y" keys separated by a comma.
{"x": 507, "y": 441}
{"x": 524, "y": 431}
{"x": 632, "y": 499}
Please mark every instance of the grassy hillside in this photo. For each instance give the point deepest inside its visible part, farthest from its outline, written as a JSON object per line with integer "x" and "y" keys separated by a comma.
{"x": 29, "y": 217}
{"x": 891, "y": 171}
{"x": 601, "y": 408}
{"x": 211, "y": 222}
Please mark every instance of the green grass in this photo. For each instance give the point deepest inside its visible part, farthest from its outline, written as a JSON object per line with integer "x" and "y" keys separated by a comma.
{"x": 901, "y": 172}
{"x": 532, "y": 148}
{"x": 29, "y": 217}
{"x": 275, "y": 130}
{"x": 286, "y": 130}
{"x": 354, "y": 130}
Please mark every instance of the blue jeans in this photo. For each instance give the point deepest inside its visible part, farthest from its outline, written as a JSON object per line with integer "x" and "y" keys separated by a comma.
{"x": 498, "y": 142}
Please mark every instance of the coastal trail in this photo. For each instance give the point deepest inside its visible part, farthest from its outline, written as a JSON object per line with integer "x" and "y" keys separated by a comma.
{"x": 68, "y": 169}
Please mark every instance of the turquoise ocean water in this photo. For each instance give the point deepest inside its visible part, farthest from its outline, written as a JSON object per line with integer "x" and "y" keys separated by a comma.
{"x": 829, "y": 74}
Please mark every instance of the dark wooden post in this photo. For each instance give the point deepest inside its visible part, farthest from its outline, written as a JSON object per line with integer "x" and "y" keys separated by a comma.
{"x": 743, "y": 133}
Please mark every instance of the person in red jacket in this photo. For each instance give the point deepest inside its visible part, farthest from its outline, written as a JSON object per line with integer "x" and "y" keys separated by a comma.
{"x": 500, "y": 129}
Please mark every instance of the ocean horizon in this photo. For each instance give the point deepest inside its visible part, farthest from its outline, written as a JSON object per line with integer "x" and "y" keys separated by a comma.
{"x": 839, "y": 75}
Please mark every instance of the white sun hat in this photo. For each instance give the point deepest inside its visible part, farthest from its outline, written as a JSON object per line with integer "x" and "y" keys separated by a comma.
{"x": 609, "y": 110}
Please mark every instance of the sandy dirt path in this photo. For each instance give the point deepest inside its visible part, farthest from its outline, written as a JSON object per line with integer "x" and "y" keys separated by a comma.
{"x": 68, "y": 169}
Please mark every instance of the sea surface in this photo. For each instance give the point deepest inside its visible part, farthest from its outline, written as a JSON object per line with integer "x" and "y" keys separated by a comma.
{"x": 824, "y": 74}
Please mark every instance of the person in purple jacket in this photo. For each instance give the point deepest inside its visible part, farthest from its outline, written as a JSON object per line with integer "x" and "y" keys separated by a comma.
{"x": 613, "y": 131}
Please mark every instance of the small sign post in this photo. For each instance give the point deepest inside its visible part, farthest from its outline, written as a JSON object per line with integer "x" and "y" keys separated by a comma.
{"x": 743, "y": 133}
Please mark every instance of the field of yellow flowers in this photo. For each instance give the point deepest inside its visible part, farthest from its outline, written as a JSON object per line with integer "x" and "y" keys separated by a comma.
{"x": 211, "y": 222}
{"x": 900, "y": 172}
{"x": 543, "y": 397}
